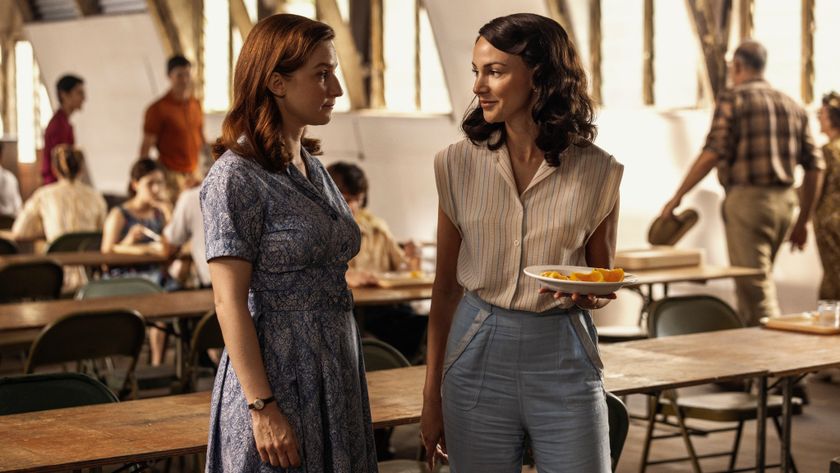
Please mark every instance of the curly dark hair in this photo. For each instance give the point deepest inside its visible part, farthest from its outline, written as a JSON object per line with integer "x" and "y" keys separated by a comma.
{"x": 563, "y": 110}
{"x": 831, "y": 101}
{"x": 349, "y": 178}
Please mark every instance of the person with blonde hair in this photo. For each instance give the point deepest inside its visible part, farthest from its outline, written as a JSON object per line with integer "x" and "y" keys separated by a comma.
{"x": 65, "y": 206}
{"x": 290, "y": 391}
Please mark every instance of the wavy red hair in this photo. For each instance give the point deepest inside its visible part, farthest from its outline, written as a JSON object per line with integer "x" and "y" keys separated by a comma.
{"x": 252, "y": 128}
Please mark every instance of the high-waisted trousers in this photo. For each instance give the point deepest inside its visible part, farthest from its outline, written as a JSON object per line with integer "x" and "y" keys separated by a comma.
{"x": 510, "y": 374}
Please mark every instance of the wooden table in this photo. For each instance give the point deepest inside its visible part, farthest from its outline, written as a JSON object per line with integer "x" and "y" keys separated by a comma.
{"x": 700, "y": 274}
{"x": 181, "y": 304}
{"x": 784, "y": 354}
{"x": 177, "y": 425}
{"x": 84, "y": 258}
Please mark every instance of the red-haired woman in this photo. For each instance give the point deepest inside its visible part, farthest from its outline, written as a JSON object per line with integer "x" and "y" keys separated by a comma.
{"x": 290, "y": 390}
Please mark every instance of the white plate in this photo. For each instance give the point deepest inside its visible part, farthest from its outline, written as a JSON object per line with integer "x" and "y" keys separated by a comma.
{"x": 582, "y": 287}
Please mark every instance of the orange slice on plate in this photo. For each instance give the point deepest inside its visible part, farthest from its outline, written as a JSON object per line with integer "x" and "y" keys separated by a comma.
{"x": 611, "y": 275}
{"x": 593, "y": 276}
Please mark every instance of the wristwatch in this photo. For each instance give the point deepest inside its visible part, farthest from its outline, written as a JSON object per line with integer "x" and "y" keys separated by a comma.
{"x": 258, "y": 403}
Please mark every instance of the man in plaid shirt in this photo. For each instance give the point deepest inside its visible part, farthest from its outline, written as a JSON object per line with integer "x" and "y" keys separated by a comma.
{"x": 757, "y": 137}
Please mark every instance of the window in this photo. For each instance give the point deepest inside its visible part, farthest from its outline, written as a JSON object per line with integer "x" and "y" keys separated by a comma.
{"x": 25, "y": 94}
{"x": 217, "y": 72}
{"x": 826, "y": 65}
{"x": 676, "y": 56}
{"x": 622, "y": 28}
{"x": 778, "y": 28}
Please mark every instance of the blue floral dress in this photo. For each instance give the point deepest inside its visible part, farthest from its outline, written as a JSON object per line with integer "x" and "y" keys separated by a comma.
{"x": 298, "y": 234}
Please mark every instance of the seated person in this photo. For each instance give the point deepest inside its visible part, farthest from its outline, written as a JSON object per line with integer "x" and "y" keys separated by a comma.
{"x": 187, "y": 227}
{"x": 65, "y": 206}
{"x": 136, "y": 227}
{"x": 10, "y": 201}
{"x": 379, "y": 252}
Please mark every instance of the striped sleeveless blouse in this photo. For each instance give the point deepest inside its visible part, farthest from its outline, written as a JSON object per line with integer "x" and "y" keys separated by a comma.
{"x": 503, "y": 232}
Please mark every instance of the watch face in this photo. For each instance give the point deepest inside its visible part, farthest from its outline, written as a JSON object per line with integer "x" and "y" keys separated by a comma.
{"x": 259, "y": 404}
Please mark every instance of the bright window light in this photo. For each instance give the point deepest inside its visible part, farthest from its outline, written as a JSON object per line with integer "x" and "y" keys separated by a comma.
{"x": 216, "y": 55}
{"x": 434, "y": 96}
{"x": 622, "y": 33}
{"x": 676, "y": 56}
{"x": 399, "y": 52}
{"x": 778, "y": 28}
{"x": 25, "y": 94}
{"x": 826, "y": 65}
{"x": 300, "y": 7}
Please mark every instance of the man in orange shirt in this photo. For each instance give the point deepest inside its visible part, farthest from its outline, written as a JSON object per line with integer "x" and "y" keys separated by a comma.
{"x": 174, "y": 124}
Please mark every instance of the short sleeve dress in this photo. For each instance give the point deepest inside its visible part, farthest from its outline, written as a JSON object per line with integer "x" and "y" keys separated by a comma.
{"x": 299, "y": 234}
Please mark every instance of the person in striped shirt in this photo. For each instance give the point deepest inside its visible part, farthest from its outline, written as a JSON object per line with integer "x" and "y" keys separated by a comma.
{"x": 757, "y": 138}
{"x": 525, "y": 187}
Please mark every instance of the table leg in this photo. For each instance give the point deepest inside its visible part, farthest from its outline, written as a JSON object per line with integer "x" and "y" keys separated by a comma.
{"x": 787, "y": 392}
{"x": 761, "y": 426}
{"x": 664, "y": 290}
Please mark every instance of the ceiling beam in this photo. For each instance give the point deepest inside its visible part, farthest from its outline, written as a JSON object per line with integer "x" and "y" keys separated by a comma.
{"x": 26, "y": 10}
{"x": 162, "y": 17}
{"x": 241, "y": 19}
{"x": 348, "y": 56}
{"x": 89, "y": 7}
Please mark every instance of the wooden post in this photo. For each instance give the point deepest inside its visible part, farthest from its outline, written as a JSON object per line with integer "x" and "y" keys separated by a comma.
{"x": 595, "y": 48}
{"x": 89, "y": 7}
{"x": 745, "y": 13}
{"x": 808, "y": 27}
{"x": 162, "y": 17}
{"x": 377, "y": 55}
{"x": 714, "y": 52}
{"x": 649, "y": 51}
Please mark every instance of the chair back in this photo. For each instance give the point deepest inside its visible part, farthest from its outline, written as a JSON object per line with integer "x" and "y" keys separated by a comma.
{"x": 382, "y": 356}
{"x": 207, "y": 335}
{"x": 39, "y": 280}
{"x": 6, "y": 222}
{"x": 90, "y": 336}
{"x": 76, "y": 241}
{"x": 117, "y": 287}
{"x": 835, "y": 466}
{"x": 41, "y": 392}
{"x": 8, "y": 247}
{"x": 619, "y": 421}
{"x": 682, "y": 315}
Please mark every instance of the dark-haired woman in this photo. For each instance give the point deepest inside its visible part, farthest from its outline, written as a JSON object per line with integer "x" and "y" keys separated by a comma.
{"x": 827, "y": 211}
{"x": 290, "y": 392}
{"x": 526, "y": 187}
{"x": 66, "y": 206}
{"x": 136, "y": 227}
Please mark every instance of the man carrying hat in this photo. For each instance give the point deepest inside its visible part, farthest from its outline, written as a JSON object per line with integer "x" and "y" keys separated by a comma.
{"x": 757, "y": 137}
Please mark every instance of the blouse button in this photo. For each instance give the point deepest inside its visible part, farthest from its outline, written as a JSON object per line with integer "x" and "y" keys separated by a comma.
{"x": 515, "y": 242}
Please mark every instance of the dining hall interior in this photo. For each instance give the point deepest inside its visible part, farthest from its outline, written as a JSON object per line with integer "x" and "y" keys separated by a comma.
{"x": 110, "y": 331}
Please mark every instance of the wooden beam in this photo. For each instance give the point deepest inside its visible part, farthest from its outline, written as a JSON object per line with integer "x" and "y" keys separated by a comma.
{"x": 348, "y": 56}
{"x": 648, "y": 75}
{"x": 808, "y": 26}
{"x": 377, "y": 55}
{"x": 745, "y": 18}
{"x": 162, "y": 17}
{"x": 595, "y": 48}
{"x": 559, "y": 11}
{"x": 27, "y": 12}
{"x": 714, "y": 53}
{"x": 89, "y": 7}
{"x": 240, "y": 18}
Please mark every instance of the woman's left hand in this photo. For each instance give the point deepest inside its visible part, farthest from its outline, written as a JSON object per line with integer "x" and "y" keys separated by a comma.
{"x": 584, "y": 301}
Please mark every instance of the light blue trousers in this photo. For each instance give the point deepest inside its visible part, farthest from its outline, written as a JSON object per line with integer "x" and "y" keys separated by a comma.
{"x": 508, "y": 374}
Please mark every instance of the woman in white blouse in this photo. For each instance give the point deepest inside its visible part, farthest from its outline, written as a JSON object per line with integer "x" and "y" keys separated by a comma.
{"x": 525, "y": 187}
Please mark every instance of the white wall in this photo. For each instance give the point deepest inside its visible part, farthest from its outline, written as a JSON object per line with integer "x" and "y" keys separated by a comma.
{"x": 122, "y": 62}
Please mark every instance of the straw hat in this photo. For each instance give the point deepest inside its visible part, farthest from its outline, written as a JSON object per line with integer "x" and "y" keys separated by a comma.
{"x": 668, "y": 230}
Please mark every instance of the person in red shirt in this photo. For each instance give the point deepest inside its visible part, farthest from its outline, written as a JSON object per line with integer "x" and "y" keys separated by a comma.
{"x": 174, "y": 125}
{"x": 71, "y": 96}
